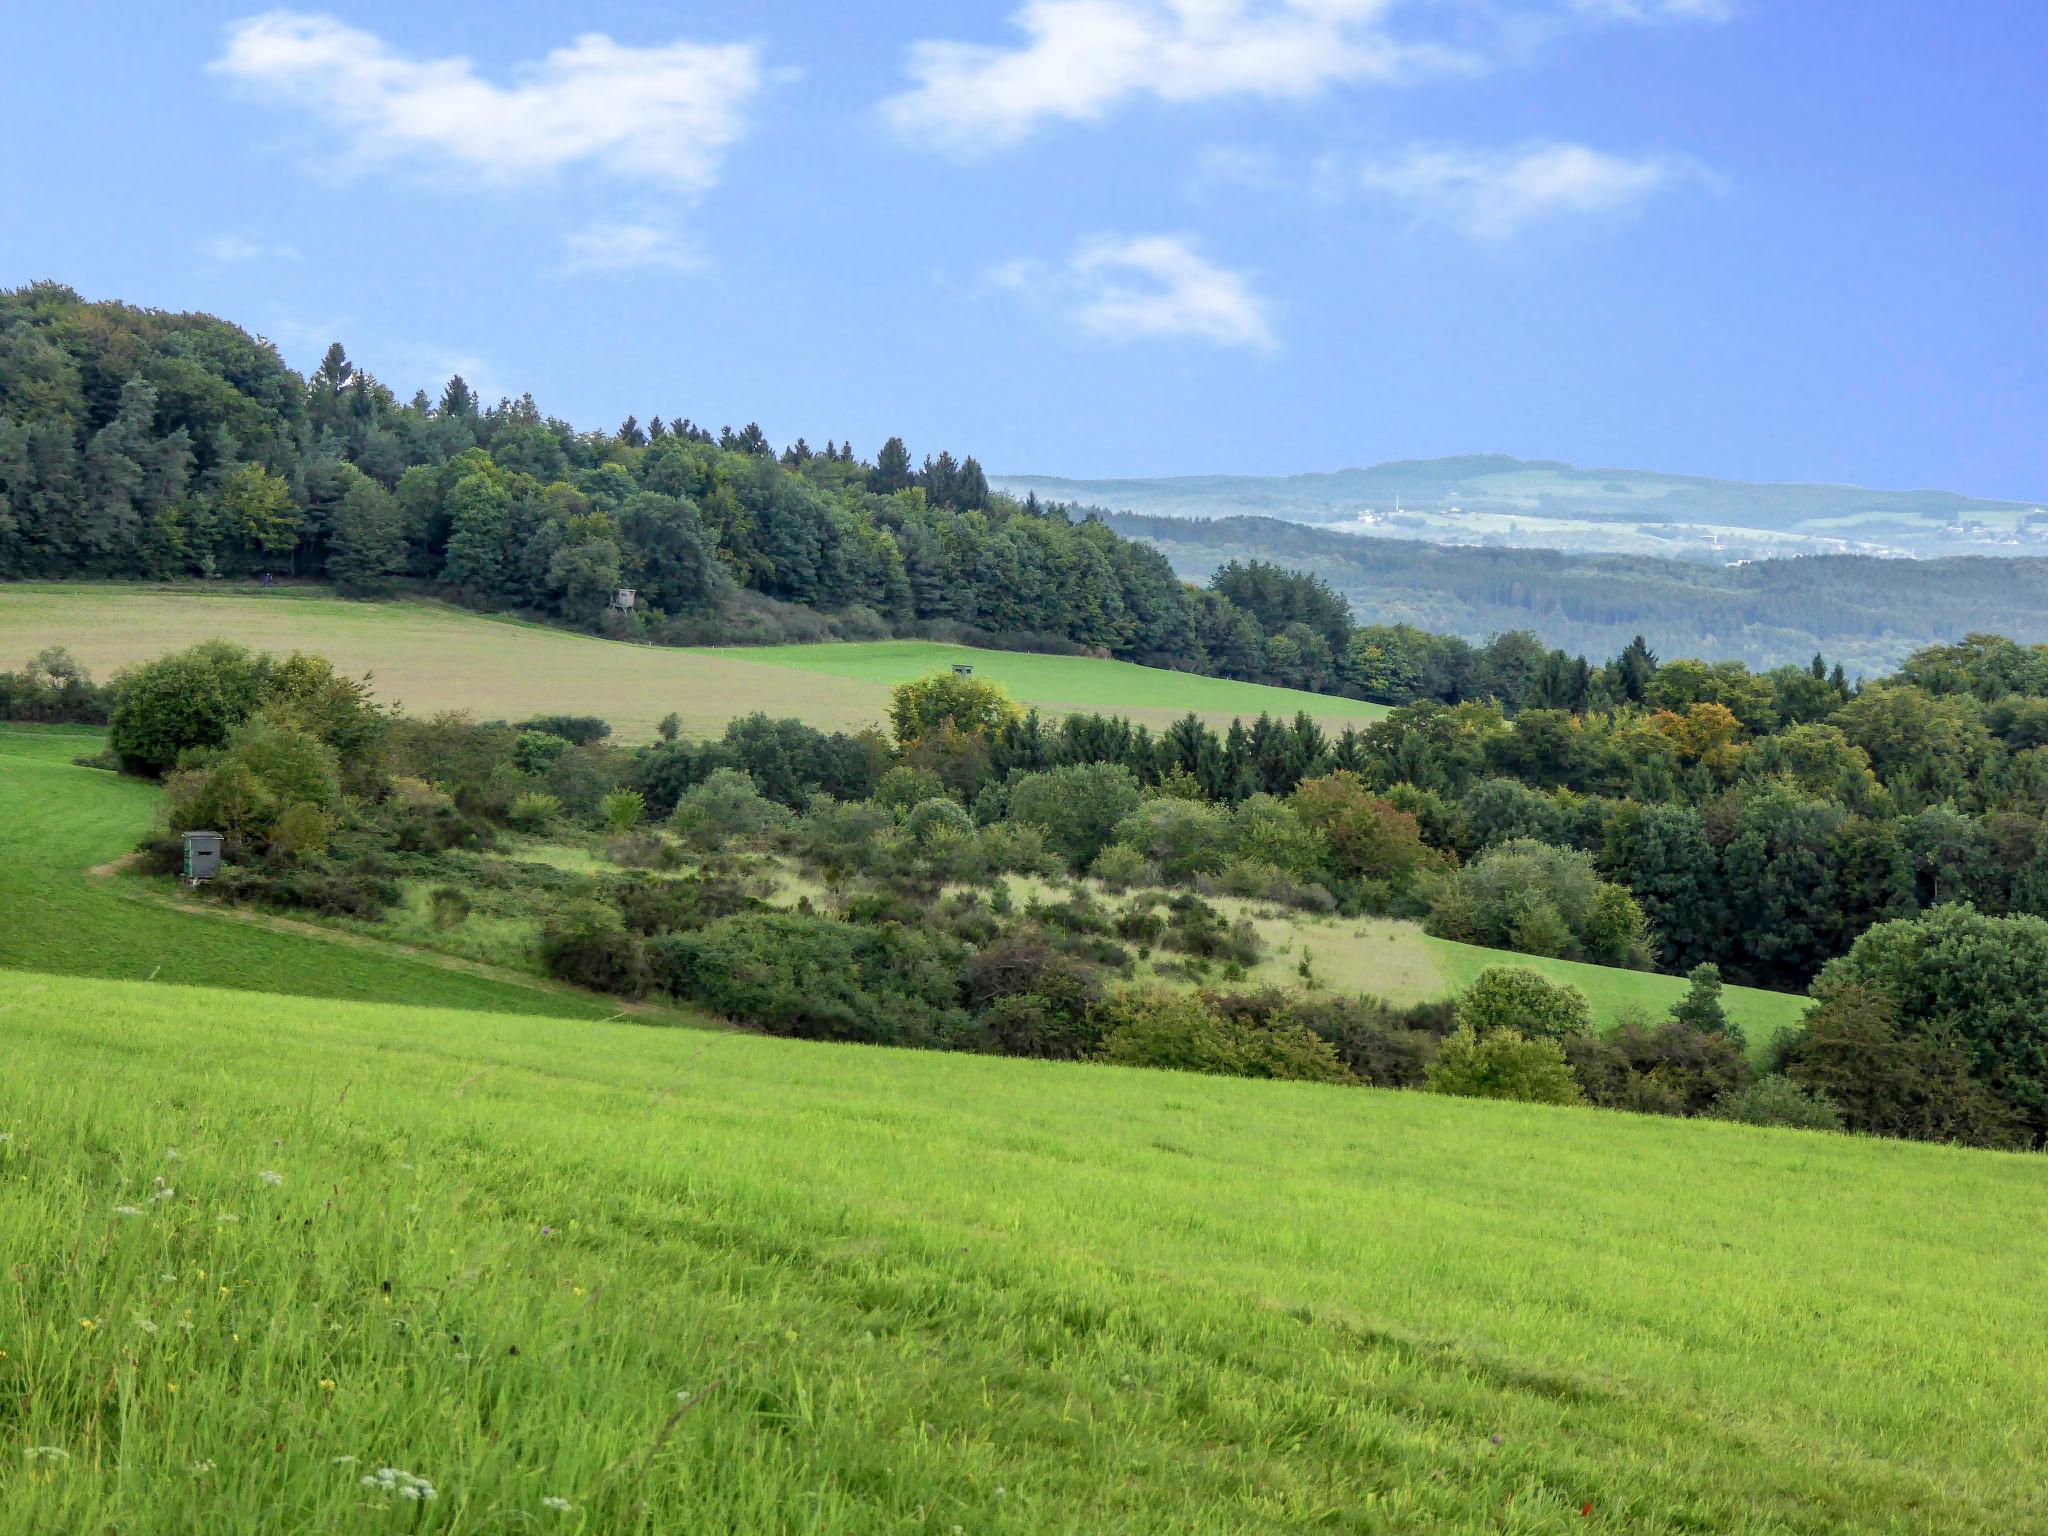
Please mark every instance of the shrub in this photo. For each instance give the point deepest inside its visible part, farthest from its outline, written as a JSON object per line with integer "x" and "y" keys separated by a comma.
{"x": 1182, "y": 838}
{"x": 1516, "y": 998}
{"x": 1665, "y": 1068}
{"x": 1539, "y": 899}
{"x": 1182, "y": 1033}
{"x": 1077, "y": 807}
{"x": 1502, "y": 1064}
{"x": 725, "y": 808}
{"x": 1778, "y": 1100}
{"x": 52, "y": 688}
{"x": 448, "y": 906}
{"x": 535, "y": 751}
{"x": 1120, "y": 866}
{"x": 623, "y": 809}
{"x": 1272, "y": 833}
{"x": 586, "y": 943}
{"x": 301, "y": 831}
{"x": 819, "y": 979}
{"x": 190, "y": 698}
{"x": 678, "y": 905}
{"x": 1368, "y": 838}
{"x": 1890, "y": 1082}
{"x": 945, "y": 698}
{"x": 902, "y": 787}
{"x": 577, "y": 730}
{"x": 1980, "y": 981}
{"x": 1381, "y": 1045}
{"x": 533, "y": 812}
{"x": 935, "y": 816}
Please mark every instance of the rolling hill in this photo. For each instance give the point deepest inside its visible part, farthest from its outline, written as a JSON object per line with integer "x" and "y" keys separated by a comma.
{"x": 431, "y": 656}
{"x": 277, "y": 1261}
{"x": 1500, "y": 500}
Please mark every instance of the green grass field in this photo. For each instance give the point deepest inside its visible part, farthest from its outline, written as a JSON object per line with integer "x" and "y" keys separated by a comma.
{"x": 58, "y": 822}
{"x": 429, "y": 656}
{"x": 1066, "y": 684}
{"x": 258, "y": 1248}
{"x": 1399, "y": 962}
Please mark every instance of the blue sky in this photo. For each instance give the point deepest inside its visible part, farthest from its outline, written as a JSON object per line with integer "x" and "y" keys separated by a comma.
{"x": 1754, "y": 238}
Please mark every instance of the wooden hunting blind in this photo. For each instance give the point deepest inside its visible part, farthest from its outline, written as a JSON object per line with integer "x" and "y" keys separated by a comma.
{"x": 202, "y": 856}
{"x": 963, "y": 669}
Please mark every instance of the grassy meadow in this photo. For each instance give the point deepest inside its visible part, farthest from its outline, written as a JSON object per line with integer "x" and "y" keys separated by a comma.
{"x": 60, "y": 823}
{"x": 260, "y": 1248}
{"x": 430, "y": 656}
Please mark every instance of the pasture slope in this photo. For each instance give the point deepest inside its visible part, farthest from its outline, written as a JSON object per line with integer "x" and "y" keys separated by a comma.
{"x": 60, "y": 823}
{"x": 259, "y": 1248}
{"x": 430, "y": 656}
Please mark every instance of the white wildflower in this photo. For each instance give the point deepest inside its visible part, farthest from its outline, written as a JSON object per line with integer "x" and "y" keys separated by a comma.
{"x": 201, "y": 1468}
{"x": 127, "y": 1210}
{"x": 172, "y": 1154}
{"x": 559, "y": 1505}
{"x": 145, "y": 1325}
{"x": 344, "y": 1461}
{"x": 404, "y": 1484}
{"x": 227, "y": 1216}
{"x": 162, "y": 1191}
{"x": 47, "y": 1453}
{"x": 270, "y": 1178}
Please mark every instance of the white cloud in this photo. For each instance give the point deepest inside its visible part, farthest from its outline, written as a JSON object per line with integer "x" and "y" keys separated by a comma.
{"x": 1130, "y": 287}
{"x": 236, "y": 249}
{"x": 1493, "y": 196}
{"x": 665, "y": 112}
{"x": 1083, "y": 58}
{"x": 626, "y": 248}
{"x": 1654, "y": 10}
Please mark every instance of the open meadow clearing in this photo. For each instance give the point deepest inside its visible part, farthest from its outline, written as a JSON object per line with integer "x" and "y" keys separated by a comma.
{"x": 260, "y": 1248}
{"x": 430, "y": 656}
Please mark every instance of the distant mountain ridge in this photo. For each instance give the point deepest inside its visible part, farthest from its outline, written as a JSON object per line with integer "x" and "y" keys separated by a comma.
{"x": 1496, "y": 499}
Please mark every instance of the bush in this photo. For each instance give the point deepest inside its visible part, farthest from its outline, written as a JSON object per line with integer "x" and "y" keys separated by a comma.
{"x": 819, "y": 979}
{"x": 1182, "y": 838}
{"x": 1120, "y": 866}
{"x": 1666, "y": 1068}
{"x": 533, "y": 812}
{"x": 1381, "y": 1045}
{"x": 1959, "y": 975}
{"x": 52, "y": 688}
{"x": 577, "y": 730}
{"x": 902, "y": 787}
{"x": 623, "y": 809}
{"x": 1516, "y": 998}
{"x": 301, "y": 831}
{"x": 1502, "y": 1064}
{"x": 1778, "y": 1100}
{"x": 535, "y": 751}
{"x": 1541, "y": 900}
{"x": 678, "y": 905}
{"x": 725, "y": 808}
{"x": 1701, "y": 1008}
{"x": 586, "y": 943}
{"x": 1369, "y": 839}
{"x": 189, "y": 699}
{"x": 1182, "y": 1033}
{"x": 945, "y": 698}
{"x": 325, "y": 891}
{"x": 1890, "y": 1082}
{"x": 1077, "y": 807}
{"x": 448, "y": 906}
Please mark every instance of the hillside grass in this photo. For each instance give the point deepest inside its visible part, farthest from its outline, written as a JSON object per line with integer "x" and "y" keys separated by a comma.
{"x": 60, "y": 822}
{"x": 1059, "y": 684}
{"x": 737, "y": 1284}
{"x": 430, "y": 656}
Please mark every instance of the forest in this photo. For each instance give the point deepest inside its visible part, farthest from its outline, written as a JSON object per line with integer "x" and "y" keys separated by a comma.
{"x": 1866, "y": 611}
{"x": 141, "y": 444}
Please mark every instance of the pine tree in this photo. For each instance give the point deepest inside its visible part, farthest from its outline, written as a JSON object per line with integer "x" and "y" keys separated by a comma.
{"x": 892, "y": 469}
